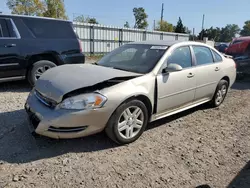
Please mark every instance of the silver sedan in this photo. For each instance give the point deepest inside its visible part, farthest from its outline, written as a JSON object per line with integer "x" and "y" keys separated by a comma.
{"x": 131, "y": 86}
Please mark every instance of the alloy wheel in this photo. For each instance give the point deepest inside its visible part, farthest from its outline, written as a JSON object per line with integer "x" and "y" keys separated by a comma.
{"x": 130, "y": 122}
{"x": 41, "y": 70}
{"x": 220, "y": 95}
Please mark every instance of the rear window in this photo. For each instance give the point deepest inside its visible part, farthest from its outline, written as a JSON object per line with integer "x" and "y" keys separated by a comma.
{"x": 45, "y": 28}
{"x": 217, "y": 57}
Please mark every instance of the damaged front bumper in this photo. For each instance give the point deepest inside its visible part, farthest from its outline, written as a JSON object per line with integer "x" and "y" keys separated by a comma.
{"x": 63, "y": 124}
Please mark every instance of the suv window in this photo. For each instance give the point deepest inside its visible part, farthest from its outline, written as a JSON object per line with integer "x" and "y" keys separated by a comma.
{"x": 217, "y": 57}
{"x": 45, "y": 28}
{"x": 203, "y": 55}
{"x": 4, "y": 32}
{"x": 181, "y": 56}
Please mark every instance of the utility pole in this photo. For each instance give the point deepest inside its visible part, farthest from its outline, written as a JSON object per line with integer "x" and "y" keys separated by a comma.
{"x": 154, "y": 24}
{"x": 193, "y": 34}
{"x": 202, "y": 26}
{"x": 162, "y": 10}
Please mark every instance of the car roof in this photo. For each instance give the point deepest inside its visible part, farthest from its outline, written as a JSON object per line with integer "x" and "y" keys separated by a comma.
{"x": 242, "y": 38}
{"x": 168, "y": 42}
{"x": 35, "y": 17}
{"x": 156, "y": 42}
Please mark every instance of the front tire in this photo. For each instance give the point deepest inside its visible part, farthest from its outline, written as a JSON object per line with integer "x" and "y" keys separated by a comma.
{"x": 38, "y": 69}
{"x": 128, "y": 122}
{"x": 220, "y": 93}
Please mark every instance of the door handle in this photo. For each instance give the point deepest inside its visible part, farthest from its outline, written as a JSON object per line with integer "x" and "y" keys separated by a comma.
{"x": 217, "y": 69}
{"x": 9, "y": 45}
{"x": 190, "y": 75}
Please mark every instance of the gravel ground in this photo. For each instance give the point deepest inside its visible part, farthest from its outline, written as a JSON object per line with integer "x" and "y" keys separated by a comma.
{"x": 197, "y": 147}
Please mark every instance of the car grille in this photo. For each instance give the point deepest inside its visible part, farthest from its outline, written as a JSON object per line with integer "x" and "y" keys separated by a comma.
{"x": 67, "y": 129}
{"x": 34, "y": 120}
{"x": 45, "y": 100}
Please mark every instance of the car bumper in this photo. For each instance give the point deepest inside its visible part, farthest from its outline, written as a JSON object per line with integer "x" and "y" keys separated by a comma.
{"x": 77, "y": 58}
{"x": 64, "y": 124}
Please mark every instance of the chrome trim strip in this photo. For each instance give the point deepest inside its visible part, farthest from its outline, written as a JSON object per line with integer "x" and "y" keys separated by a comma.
{"x": 183, "y": 91}
{"x": 12, "y": 78}
{"x": 8, "y": 64}
{"x": 204, "y": 85}
{"x": 40, "y": 98}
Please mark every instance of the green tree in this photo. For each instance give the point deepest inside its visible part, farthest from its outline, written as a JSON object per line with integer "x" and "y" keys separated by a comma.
{"x": 126, "y": 25}
{"x": 246, "y": 29}
{"x": 26, "y": 7}
{"x": 202, "y": 34}
{"x": 164, "y": 26}
{"x": 55, "y": 9}
{"x": 140, "y": 18}
{"x": 80, "y": 18}
{"x": 228, "y": 32}
{"x": 211, "y": 33}
{"x": 179, "y": 28}
{"x": 83, "y": 19}
{"x": 92, "y": 21}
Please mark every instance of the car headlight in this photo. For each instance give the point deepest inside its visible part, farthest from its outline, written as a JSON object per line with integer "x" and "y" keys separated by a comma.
{"x": 84, "y": 101}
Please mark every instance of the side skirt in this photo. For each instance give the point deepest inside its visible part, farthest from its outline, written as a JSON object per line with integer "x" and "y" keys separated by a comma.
{"x": 178, "y": 110}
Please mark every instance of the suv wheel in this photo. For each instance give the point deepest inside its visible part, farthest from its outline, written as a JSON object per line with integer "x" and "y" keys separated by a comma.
{"x": 38, "y": 69}
{"x": 128, "y": 122}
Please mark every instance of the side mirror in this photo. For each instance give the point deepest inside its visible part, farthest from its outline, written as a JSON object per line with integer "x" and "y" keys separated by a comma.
{"x": 172, "y": 68}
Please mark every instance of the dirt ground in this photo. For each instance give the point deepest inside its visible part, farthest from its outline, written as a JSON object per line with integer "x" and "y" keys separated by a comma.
{"x": 199, "y": 147}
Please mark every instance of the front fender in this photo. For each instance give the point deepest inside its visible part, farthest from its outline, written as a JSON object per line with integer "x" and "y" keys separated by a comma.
{"x": 117, "y": 94}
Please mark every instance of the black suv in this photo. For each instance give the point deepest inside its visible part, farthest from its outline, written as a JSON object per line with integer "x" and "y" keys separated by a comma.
{"x": 31, "y": 45}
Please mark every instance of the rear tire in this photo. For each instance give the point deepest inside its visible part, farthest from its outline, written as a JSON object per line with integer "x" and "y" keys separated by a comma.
{"x": 128, "y": 122}
{"x": 37, "y": 69}
{"x": 220, "y": 93}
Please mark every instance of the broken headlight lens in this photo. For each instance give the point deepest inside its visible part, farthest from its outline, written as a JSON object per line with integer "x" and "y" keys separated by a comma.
{"x": 84, "y": 101}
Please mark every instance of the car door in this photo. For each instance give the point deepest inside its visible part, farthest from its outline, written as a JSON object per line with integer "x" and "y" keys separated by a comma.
{"x": 176, "y": 89}
{"x": 208, "y": 72}
{"x": 9, "y": 53}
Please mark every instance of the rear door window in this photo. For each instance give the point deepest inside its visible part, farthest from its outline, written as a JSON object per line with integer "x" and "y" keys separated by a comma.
{"x": 203, "y": 55}
{"x": 4, "y": 32}
{"x": 46, "y": 28}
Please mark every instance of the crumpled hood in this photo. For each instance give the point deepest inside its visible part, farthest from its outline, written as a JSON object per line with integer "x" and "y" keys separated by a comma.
{"x": 58, "y": 81}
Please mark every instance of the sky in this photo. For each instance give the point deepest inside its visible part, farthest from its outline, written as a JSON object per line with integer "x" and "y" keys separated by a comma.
{"x": 217, "y": 13}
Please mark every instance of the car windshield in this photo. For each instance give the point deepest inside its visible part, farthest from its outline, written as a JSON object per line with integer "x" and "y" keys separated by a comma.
{"x": 139, "y": 58}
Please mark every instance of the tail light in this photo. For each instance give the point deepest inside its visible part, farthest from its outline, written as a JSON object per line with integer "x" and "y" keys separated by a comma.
{"x": 80, "y": 45}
